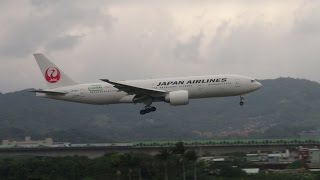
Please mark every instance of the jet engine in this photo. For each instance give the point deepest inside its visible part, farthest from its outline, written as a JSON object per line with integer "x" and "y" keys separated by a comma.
{"x": 177, "y": 98}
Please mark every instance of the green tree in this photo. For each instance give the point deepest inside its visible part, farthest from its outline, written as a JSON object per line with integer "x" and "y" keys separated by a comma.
{"x": 296, "y": 165}
{"x": 163, "y": 156}
{"x": 178, "y": 148}
{"x": 191, "y": 156}
{"x": 226, "y": 170}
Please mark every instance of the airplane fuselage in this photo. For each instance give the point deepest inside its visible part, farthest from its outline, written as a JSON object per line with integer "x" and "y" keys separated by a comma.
{"x": 176, "y": 90}
{"x": 197, "y": 87}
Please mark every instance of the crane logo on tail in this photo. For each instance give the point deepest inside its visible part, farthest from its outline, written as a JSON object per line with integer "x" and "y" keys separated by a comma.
{"x": 52, "y": 75}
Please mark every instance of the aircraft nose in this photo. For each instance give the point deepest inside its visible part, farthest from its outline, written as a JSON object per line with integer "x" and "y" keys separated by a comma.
{"x": 259, "y": 85}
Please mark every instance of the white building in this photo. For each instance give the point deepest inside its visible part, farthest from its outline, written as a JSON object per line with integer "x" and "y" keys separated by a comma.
{"x": 314, "y": 156}
{"x": 27, "y": 143}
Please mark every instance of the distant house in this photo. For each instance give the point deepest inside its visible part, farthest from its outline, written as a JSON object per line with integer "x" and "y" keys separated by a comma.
{"x": 269, "y": 157}
{"x": 214, "y": 159}
{"x": 314, "y": 155}
{"x": 314, "y": 158}
{"x": 303, "y": 154}
{"x": 251, "y": 170}
{"x": 253, "y": 157}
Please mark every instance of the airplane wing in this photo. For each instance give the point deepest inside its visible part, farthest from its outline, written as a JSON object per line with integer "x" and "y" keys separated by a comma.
{"x": 49, "y": 92}
{"x": 134, "y": 89}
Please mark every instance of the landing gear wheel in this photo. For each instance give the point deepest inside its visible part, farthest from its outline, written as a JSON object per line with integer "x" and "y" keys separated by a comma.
{"x": 148, "y": 110}
{"x": 152, "y": 109}
{"x": 142, "y": 112}
{"x": 241, "y": 103}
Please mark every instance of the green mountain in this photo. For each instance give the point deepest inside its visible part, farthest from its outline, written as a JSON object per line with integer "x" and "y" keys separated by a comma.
{"x": 282, "y": 108}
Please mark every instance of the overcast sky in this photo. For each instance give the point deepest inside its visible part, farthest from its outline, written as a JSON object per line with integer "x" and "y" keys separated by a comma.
{"x": 131, "y": 39}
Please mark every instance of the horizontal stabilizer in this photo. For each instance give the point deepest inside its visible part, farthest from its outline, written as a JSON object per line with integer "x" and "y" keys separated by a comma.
{"x": 49, "y": 92}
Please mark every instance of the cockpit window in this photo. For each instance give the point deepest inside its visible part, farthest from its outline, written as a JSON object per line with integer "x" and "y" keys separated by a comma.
{"x": 253, "y": 80}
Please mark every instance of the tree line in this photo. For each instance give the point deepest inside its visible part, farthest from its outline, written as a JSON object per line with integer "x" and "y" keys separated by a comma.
{"x": 170, "y": 164}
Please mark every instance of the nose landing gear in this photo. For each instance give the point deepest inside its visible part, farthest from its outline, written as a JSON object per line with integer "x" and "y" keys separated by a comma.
{"x": 148, "y": 109}
{"x": 241, "y": 101}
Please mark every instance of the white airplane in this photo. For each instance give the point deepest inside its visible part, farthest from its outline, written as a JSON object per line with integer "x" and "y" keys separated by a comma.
{"x": 176, "y": 91}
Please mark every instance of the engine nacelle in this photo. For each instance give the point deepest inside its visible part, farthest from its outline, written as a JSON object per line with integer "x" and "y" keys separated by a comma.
{"x": 177, "y": 98}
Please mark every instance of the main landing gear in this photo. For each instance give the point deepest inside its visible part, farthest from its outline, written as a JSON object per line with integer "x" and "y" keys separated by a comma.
{"x": 148, "y": 109}
{"x": 241, "y": 101}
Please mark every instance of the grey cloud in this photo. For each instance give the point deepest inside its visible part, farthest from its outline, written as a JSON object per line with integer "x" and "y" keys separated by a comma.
{"x": 46, "y": 23}
{"x": 271, "y": 51}
{"x": 143, "y": 41}
{"x": 307, "y": 19}
{"x": 189, "y": 51}
{"x": 244, "y": 44}
{"x": 63, "y": 42}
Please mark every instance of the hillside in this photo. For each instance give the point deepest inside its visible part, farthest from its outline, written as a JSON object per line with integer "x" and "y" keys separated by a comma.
{"x": 282, "y": 108}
